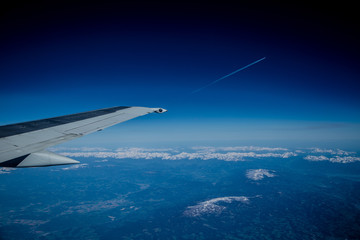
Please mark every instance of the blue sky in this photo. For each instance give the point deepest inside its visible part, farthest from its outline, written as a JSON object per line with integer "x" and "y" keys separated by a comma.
{"x": 61, "y": 58}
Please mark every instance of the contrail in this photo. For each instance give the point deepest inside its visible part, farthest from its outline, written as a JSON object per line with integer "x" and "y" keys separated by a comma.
{"x": 218, "y": 80}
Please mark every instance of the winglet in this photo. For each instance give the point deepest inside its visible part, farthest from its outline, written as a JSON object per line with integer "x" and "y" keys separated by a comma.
{"x": 159, "y": 110}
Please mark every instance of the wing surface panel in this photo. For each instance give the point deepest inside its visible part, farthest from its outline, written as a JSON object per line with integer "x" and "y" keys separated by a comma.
{"x": 19, "y": 128}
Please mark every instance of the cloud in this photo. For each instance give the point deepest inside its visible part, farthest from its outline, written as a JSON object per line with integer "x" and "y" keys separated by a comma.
{"x": 202, "y": 153}
{"x": 82, "y": 149}
{"x": 258, "y": 174}
{"x": 147, "y": 149}
{"x": 30, "y": 222}
{"x": 331, "y": 151}
{"x": 335, "y": 159}
{"x": 213, "y": 206}
{"x": 316, "y": 158}
{"x": 86, "y": 207}
{"x": 4, "y": 170}
{"x": 104, "y": 160}
{"x": 331, "y": 155}
{"x": 234, "y": 153}
{"x": 76, "y": 166}
{"x": 240, "y": 148}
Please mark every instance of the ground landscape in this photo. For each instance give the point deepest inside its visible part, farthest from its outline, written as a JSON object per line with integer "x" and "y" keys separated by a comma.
{"x": 241, "y": 192}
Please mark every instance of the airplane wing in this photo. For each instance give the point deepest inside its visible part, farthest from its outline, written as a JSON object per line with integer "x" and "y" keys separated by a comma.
{"x": 24, "y": 144}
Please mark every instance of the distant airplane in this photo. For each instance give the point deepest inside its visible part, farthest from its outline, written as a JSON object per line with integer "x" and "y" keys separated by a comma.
{"x": 23, "y": 144}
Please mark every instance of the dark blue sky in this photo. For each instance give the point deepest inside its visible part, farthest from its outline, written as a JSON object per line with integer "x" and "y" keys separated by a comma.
{"x": 59, "y": 58}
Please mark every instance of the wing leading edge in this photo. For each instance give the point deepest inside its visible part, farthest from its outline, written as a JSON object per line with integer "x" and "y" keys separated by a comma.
{"x": 24, "y": 144}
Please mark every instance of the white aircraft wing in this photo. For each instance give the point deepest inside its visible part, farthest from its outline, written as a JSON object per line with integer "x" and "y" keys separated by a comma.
{"x": 24, "y": 144}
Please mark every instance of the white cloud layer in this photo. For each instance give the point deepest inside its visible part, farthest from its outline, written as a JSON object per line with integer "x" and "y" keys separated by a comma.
{"x": 241, "y": 149}
{"x": 4, "y": 170}
{"x": 331, "y": 151}
{"x": 75, "y": 166}
{"x": 213, "y": 206}
{"x": 258, "y": 174}
{"x": 203, "y": 153}
{"x": 332, "y": 155}
{"x": 233, "y": 153}
{"x": 82, "y": 149}
{"x": 335, "y": 159}
{"x": 237, "y": 153}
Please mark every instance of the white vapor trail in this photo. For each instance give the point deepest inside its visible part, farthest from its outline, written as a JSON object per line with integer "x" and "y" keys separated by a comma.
{"x": 228, "y": 75}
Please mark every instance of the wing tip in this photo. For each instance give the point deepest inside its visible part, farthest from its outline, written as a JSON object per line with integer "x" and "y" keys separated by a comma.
{"x": 160, "y": 110}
